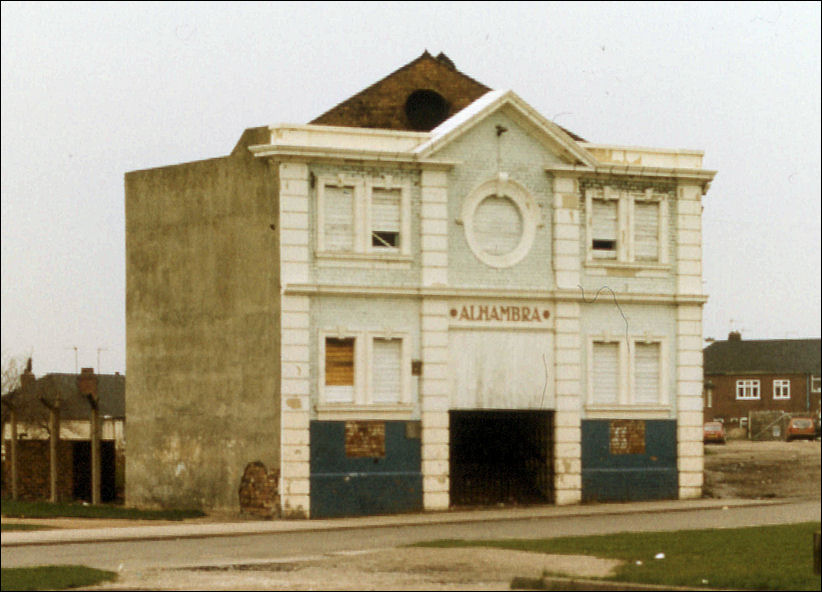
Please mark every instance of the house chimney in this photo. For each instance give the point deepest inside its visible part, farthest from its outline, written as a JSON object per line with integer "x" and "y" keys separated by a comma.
{"x": 87, "y": 383}
{"x": 734, "y": 336}
{"x": 27, "y": 377}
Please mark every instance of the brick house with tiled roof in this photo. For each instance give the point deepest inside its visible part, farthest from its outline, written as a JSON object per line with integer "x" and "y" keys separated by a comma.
{"x": 742, "y": 376}
{"x": 74, "y": 478}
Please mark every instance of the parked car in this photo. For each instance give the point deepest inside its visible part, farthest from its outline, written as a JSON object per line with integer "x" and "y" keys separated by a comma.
{"x": 714, "y": 432}
{"x": 801, "y": 427}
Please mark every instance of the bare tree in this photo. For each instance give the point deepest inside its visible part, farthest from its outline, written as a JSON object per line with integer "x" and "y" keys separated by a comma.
{"x": 13, "y": 367}
{"x": 12, "y": 370}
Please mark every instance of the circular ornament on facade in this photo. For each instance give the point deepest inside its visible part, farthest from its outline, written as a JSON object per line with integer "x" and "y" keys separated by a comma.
{"x": 500, "y": 218}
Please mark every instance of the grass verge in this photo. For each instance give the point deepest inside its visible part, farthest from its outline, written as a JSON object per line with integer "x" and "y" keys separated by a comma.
{"x": 756, "y": 558}
{"x": 53, "y": 577}
{"x": 21, "y": 509}
{"x": 10, "y": 526}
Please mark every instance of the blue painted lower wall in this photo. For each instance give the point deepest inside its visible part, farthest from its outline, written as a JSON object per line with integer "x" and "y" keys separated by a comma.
{"x": 651, "y": 474}
{"x": 344, "y": 486}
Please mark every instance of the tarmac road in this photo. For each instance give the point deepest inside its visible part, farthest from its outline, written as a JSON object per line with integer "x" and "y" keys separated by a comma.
{"x": 232, "y": 543}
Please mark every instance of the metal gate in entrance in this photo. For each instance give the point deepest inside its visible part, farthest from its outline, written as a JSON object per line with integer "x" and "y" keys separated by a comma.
{"x": 501, "y": 457}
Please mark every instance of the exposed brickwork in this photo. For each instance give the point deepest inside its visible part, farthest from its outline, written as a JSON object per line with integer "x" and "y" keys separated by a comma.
{"x": 365, "y": 439}
{"x": 382, "y": 105}
{"x": 259, "y": 495}
{"x": 33, "y": 470}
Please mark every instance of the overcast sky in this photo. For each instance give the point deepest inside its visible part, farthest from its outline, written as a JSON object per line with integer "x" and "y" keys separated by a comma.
{"x": 91, "y": 91}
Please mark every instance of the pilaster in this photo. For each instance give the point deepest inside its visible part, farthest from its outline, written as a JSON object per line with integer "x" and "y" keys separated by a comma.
{"x": 566, "y": 233}
{"x": 689, "y": 240}
{"x": 689, "y": 400}
{"x": 294, "y": 340}
{"x": 567, "y": 417}
{"x": 434, "y": 228}
{"x": 434, "y": 405}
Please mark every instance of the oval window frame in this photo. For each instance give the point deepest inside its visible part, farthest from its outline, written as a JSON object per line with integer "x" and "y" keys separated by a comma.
{"x": 528, "y": 211}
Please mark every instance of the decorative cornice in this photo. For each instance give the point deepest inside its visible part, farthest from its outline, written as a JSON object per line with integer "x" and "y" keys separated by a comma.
{"x": 373, "y": 157}
{"x": 630, "y": 170}
{"x": 304, "y": 289}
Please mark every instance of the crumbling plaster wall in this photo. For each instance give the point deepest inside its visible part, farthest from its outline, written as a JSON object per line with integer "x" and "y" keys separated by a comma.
{"x": 202, "y": 329}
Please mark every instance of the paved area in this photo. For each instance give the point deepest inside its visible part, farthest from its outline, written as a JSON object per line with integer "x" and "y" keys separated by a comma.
{"x": 91, "y": 532}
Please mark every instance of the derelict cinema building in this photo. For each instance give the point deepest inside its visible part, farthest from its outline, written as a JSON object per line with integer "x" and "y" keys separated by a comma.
{"x": 429, "y": 296}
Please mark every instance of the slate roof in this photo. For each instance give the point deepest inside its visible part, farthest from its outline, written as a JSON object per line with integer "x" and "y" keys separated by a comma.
{"x": 382, "y": 105}
{"x": 767, "y": 356}
{"x": 111, "y": 389}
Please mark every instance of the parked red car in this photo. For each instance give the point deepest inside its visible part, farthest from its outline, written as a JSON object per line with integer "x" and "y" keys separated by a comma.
{"x": 714, "y": 431}
{"x": 801, "y": 427}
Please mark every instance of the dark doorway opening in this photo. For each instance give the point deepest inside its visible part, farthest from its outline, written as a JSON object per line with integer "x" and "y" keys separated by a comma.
{"x": 81, "y": 474}
{"x": 501, "y": 457}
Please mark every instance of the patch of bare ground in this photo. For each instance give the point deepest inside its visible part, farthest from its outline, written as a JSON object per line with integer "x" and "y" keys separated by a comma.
{"x": 758, "y": 470}
{"x": 390, "y": 569}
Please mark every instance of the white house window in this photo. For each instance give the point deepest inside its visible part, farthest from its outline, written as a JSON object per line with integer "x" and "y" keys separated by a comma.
{"x": 338, "y": 227}
{"x": 339, "y": 370}
{"x": 646, "y": 230}
{"x": 647, "y": 373}
{"x": 497, "y": 225}
{"x": 500, "y": 218}
{"x": 815, "y": 384}
{"x": 386, "y": 214}
{"x": 606, "y": 373}
{"x": 626, "y": 227}
{"x": 386, "y": 371}
{"x": 627, "y": 373}
{"x": 781, "y": 389}
{"x": 363, "y": 216}
{"x": 365, "y": 371}
{"x": 604, "y": 228}
{"x": 747, "y": 389}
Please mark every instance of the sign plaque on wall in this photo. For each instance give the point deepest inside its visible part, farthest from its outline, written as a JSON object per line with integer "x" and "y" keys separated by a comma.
{"x": 500, "y": 314}
{"x": 627, "y": 436}
{"x": 364, "y": 439}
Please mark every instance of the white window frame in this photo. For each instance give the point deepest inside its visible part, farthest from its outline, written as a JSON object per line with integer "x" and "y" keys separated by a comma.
{"x": 389, "y": 183}
{"x": 627, "y": 376}
{"x": 626, "y": 235}
{"x": 339, "y": 181}
{"x": 362, "y": 215}
{"x": 748, "y": 389}
{"x": 363, "y": 399}
{"x": 782, "y": 389}
{"x": 815, "y": 384}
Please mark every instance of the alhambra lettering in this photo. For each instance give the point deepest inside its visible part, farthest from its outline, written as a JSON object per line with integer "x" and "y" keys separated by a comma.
{"x": 479, "y": 312}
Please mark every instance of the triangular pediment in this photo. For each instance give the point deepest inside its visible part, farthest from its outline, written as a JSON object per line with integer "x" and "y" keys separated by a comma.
{"x": 555, "y": 138}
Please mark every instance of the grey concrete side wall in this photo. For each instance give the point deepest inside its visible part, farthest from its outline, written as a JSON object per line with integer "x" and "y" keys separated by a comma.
{"x": 202, "y": 330}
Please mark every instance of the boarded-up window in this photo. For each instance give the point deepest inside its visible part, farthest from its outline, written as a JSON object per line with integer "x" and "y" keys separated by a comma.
{"x": 339, "y": 370}
{"x": 338, "y": 212}
{"x": 627, "y": 436}
{"x": 497, "y": 225}
{"x": 606, "y": 373}
{"x": 646, "y": 231}
{"x": 646, "y": 373}
{"x": 385, "y": 218}
{"x": 604, "y": 228}
{"x": 386, "y": 376}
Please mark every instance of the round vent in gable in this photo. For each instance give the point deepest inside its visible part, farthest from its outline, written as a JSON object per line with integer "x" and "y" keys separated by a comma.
{"x": 426, "y": 109}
